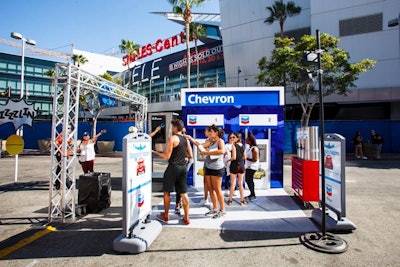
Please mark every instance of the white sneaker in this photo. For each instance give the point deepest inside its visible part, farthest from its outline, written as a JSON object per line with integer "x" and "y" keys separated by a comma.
{"x": 358, "y": 157}
{"x": 364, "y": 157}
{"x": 204, "y": 202}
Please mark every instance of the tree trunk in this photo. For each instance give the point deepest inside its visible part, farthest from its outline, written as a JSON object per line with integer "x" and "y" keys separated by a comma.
{"x": 188, "y": 55}
{"x": 281, "y": 26}
{"x": 197, "y": 63}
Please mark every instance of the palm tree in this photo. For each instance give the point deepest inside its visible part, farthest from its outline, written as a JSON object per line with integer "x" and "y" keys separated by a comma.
{"x": 280, "y": 11}
{"x": 197, "y": 31}
{"x": 79, "y": 59}
{"x": 184, "y": 8}
{"x": 131, "y": 50}
{"x": 52, "y": 74}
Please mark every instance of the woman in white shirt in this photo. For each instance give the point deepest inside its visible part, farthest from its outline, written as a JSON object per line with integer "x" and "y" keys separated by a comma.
{"x": 86, "y": 149}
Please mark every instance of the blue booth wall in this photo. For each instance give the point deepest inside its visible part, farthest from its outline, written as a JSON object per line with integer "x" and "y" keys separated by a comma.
{"x": 260, "y": 132}
{"x": 117, "y": 130}
{"x": 42, "y": 130}
{"x": 389, "y": 130}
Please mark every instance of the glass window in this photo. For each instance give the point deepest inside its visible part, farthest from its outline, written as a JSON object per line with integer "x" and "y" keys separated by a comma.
{"x": 12, "y": 67}
{"x": 29, "y": 70}
{"x": 38, "y": 89}
{"x": 3, "y": 65}
{"x": 3, "y": 84}
{"x": 46, "y": 88}
{"x": 11, "y": 83}
{"x": 29, "y": 89}
{"x": 39, "y": 70}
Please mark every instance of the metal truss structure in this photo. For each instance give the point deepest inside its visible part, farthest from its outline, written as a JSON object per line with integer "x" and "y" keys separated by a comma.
{"x": 69, "y": 83}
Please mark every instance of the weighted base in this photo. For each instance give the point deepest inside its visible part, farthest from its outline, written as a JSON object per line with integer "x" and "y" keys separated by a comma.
{"x": 327, "y": 243}
{"x": 142, "y": 236}
{"x": 333, "y": 224}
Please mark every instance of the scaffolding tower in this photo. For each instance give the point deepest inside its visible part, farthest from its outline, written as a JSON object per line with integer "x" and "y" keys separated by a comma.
{"x": 69, "y": 83}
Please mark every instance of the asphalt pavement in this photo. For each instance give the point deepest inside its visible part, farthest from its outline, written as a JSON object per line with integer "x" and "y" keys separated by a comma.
{"x": 26, "y": 238}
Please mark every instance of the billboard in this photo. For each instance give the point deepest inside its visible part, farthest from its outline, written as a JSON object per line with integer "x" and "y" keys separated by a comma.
{"x": 210, "y": 56}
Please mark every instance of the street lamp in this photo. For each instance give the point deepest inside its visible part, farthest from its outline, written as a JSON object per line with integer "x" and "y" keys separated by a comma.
{"x": 24, "y": 40}
{"x": 19, "y": 36}
{"x": 165, "y": 84}
{"x": 393, "y": 23}
{"x": 238, "y": 71}
{"x": 151, "y": 81}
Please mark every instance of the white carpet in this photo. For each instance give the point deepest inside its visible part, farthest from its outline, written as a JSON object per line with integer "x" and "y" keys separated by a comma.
{"x": 273, "y": 211}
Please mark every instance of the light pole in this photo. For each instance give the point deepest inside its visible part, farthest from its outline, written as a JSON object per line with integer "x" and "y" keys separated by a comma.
{"x": 24, "y": 40}
{"x": 151, "y": 81}
{"x": 393, "y": 23}
{"x": 181, "y": 76}
{"x": 239, "y": 71}
{"x": 217, "y": 78}
{"x": 165, "y": 84}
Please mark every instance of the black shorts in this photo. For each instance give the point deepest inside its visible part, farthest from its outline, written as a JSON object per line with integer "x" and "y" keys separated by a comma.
{"x": 175, "y": 176}
{"x": 211, "y": 172}
{"x": 237, "y": 170}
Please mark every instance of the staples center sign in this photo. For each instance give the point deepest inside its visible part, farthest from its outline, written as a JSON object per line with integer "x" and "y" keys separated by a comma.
{"x": 160, "y": 45}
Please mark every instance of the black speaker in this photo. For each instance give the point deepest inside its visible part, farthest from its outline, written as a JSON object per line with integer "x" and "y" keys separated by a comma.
{"x": 95, "y": 191}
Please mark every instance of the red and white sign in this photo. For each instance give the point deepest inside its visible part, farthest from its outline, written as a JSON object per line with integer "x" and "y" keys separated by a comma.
{"x": 158, "y": 46}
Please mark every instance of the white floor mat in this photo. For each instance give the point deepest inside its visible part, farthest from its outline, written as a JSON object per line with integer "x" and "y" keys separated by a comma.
{"x": 273, "y": 211}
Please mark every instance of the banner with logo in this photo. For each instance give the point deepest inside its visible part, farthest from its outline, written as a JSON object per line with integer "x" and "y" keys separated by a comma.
{"x": 136, "y": 180}
{"x": 17, "y": 112}
{"x": 334, "y": 162}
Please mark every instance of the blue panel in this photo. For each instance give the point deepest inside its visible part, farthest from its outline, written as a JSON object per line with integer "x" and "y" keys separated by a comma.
{"x": 388, "y": 130}
{"x": 229, "y": 98}
{"x": 231, "y": 124}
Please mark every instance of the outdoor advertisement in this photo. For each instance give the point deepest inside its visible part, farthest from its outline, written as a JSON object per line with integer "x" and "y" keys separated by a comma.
{"x": 136, "y": 179}
{"x": 210, "y": 56}
{"x": 333, "y": 174}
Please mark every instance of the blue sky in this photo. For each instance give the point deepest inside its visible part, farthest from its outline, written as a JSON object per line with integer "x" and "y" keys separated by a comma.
{"x": 92, "y": 25}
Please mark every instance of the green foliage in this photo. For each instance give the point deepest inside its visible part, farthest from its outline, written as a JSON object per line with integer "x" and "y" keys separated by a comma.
{"x": 50, "y": 73}
{"x": 129, "y": 47}
{"x": 79, "y": 59}
{"x": 108, "y": 77}
{"x": 286, "y": 64}
{"x": 280, "y": 11}
{"x": 184, "y": 8}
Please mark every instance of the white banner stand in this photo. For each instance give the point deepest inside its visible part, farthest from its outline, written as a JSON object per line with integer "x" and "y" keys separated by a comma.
{"x": 335, "y": 185}
{"x": 138, "y": 232}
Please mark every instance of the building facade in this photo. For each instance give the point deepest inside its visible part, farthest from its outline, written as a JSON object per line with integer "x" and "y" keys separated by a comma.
{"x": 363, "y": 30}
{"x": 361, "y": 26}
{"x": 37, "y": 83}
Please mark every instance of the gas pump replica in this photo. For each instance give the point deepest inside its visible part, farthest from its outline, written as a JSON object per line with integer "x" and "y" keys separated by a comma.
{"x": 258, "y": 110}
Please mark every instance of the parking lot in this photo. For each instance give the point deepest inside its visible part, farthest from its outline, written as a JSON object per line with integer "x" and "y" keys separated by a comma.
{"x": 372, "y": 205}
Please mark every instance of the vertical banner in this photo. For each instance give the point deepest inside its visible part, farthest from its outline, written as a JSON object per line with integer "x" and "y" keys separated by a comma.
{"x": 136, "y": 180}
{"x": 335, "y": 155}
